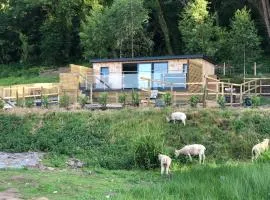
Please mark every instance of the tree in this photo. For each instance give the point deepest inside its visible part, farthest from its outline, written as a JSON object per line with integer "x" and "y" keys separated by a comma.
{"x": 96, "y": 36}
{"x": 197, "y": 28}
{"x": 244, "y": 40}
{"x": 116, "y": 30}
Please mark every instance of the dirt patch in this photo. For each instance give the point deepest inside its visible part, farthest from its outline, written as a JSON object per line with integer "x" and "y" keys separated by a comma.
{"x": 20, "y": 160}
{"x": 10, "y": 194}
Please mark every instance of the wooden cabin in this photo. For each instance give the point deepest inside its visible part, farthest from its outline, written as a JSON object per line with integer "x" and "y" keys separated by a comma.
{"x": 152, "y": 73}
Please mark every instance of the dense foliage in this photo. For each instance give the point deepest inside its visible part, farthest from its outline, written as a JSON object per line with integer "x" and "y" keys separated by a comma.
{"x": 64, "y": 31}
{"x": 133, "y": 138}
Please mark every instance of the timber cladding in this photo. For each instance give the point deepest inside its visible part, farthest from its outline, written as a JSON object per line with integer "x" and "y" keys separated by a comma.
{"x": 195, "y": 75}
{"x": 69, "y": 85}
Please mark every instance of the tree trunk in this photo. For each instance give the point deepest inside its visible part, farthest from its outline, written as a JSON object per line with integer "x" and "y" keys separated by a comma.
{"x": 164, "y": 28}
{"x": 266, "y": 15}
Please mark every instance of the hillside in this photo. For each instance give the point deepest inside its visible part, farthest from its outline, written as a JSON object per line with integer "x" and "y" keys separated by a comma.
{"x": 132, "y": 138}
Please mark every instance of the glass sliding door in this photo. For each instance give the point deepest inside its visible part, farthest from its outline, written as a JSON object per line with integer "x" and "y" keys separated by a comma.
{"x": 159, "y": 72}
{"x": 145, "y": 71}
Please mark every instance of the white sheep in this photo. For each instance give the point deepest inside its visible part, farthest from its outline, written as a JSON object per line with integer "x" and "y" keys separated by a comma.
{"x": 192, "y": 150}
{"x": 177, "y": 116}
{"x": 259, "y": 148}
{"x": 165, "y": 162}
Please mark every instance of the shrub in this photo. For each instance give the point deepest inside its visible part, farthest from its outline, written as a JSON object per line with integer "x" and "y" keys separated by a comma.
{"x": 122, "y": 98}
{"x": 135, "y": 98}
{"x": 264, "y": 157}
{"x": 146, "y": 152}
{"x": 29, "y": 103}
{"x": 45, "y": 101}
{"x": 1, "y": 104}
{"x": 103, "y": 98}
{"x": 20, "y": 103}
{"x": 194, "y": 100}
{"x": 221, "y": 101}
{"x": 167, "y": 97}
{"x": 255, "y": 101}
{"x": 83, "y": 101}
{"x": 64, "y": 101}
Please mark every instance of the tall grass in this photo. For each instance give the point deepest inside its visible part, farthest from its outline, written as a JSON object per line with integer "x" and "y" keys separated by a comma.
{"x": 226, "y": 183}
{"x": 133, "y": 137}
{"x": 249, "y": 181}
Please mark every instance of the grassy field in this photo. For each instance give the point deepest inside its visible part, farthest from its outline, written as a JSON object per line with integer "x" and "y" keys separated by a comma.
{"x": 132, "y": 138}
{"x": 28, "y": 80}
{"x": 245, "y": 181}
{"x": 120, "y": 151}
{"x": 20, "y": 74}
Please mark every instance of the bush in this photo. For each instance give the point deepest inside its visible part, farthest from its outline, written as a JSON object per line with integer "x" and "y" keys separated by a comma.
{"x": 167, "y": 97}
{"x": 29, "y": 103}
{"x": 64, "y": 101}
{"x": 194, "y": 100}
{"x": 83, "y": 101}
{"x": 20, "y": 103}
{"x": 255, "y": 101}
{"x": 45, "y": 101}
{"x": 221, "y": 101}
{"x": 122, "y": 98}
{"x": 146, "y": 152}
{"x": 103, "y": 98}
{"x": 2, "y": 104}
{"x": 135, "y": 98}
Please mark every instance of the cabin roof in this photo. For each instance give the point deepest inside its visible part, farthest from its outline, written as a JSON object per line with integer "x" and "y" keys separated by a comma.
{"x": 176, "y": 57}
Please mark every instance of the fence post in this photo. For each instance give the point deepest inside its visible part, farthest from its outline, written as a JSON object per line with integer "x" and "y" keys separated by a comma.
{"x": 260, "y": 87}
{"x": 222, "y": 88}
{"x": 224, "y": 69}
{"x": 217, "y": 90}
{"x": 255, "y": 69}
{"x": 241, "y": 94}
{"x": 255, "y": 87}
{"x": 249, "y": 88}
{"x": 23, "y": 96}
{"x": 231, "y": 95}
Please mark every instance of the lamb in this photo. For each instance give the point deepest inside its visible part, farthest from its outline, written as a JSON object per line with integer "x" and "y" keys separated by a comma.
{"x": 194, "y": 149}
{"x": 259, "y": 148}
{"x": 165, "y": 162}
{"x": 177, "y": 116}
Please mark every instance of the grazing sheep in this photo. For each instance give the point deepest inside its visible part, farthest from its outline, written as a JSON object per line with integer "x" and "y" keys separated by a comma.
{"x": 192, "y": 150}
{"x": 259, "y": 148}
{"x": 177, "y": 116}
{"x": 165, "y": 162}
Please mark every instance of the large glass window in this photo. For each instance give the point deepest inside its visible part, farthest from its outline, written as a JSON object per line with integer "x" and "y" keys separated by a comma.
{"x": 144, "y": 71}
{"x": 159, "y": 72}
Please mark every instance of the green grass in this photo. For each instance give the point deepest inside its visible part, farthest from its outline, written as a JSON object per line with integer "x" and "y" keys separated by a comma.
{"x": 245, "y": 181}
{"x": 132, "y": 138}
{"x": 28, "y": 80}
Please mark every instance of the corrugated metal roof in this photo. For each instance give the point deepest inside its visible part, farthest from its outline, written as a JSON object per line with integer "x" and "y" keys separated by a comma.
{"x": 153, "y": 58}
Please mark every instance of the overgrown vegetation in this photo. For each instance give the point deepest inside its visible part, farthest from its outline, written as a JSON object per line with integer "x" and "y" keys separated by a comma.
{"x": 194, "y": 100}
{"x": 103, "y": 99}
{"x": 227, "y": 182}
{"x": 221, "y": 101}
{"x": 83, "y": 101}
{"x": 167, "y": 97}
{"x": 45, "y": 102}
{"x": 132, "y": 138}
{"x": 135, "y": 98}
{"x": 122, "y": 98}
{"x": 1, "y": 104}
{"x": 64, "y": 101}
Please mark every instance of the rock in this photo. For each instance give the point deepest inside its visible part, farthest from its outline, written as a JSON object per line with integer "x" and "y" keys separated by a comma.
{"x": 50, "y": 168}
{"x": 75, "y": 163}
{"x": 42, "y": 198}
